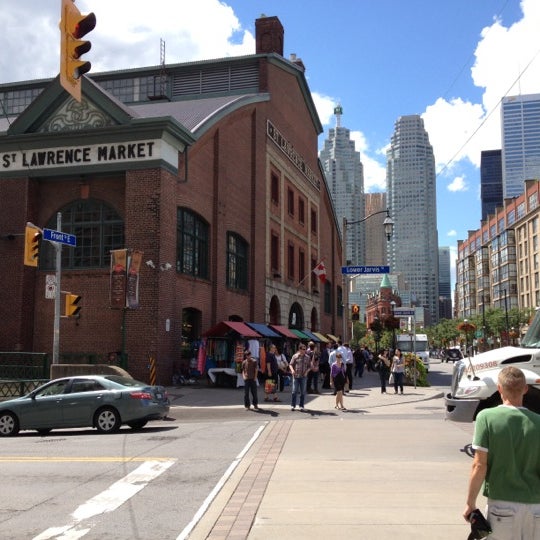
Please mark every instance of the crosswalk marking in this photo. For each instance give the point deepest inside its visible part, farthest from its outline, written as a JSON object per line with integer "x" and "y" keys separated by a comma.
{"x": 107, "y": 501}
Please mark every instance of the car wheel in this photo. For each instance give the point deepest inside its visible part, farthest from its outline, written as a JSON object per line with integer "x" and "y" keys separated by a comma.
{"x": 107, "y": 420}
{"x": 137, "y": 425}
{"x": 44, "y": 431}
{"x": 9, "y": 424}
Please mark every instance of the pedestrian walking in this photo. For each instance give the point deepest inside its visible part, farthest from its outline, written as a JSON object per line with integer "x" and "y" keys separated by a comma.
{"x": 283, "y": 368}
{"x": 299, "y": 366}
{"x": 397, "y": 371}
{"x": 313, "y": 375}
{"x": 506, "y": 445}
{"x": 272, "y": 374}
{"x": 338, "y": 373}
{"x": 249, "y": 374}
{"x": 324, "y": 365}
{"x": 383, "y": 367}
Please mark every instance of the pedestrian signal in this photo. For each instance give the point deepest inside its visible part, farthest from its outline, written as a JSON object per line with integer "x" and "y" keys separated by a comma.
{"x": 355, "y": 311}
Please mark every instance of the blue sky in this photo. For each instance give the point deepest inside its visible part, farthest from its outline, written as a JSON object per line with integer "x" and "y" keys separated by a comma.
{"x": 450, "y": 61}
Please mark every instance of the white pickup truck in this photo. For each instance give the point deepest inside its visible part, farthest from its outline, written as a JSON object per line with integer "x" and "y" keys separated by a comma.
{"x": 474, "y": 379}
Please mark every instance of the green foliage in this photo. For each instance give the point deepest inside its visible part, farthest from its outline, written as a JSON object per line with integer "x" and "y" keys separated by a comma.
{"x": 413, "y": 361}
{"x": 493, "y": 322}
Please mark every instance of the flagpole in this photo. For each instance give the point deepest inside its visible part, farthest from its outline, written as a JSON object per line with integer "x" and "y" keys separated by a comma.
{"x": 307, "y": 275}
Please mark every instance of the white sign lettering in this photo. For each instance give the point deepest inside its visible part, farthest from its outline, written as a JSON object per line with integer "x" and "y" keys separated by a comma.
{"x": 84, "y": 155}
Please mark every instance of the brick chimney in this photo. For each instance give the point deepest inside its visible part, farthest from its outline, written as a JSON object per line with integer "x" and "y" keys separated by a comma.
{"x": 269, "y": 35}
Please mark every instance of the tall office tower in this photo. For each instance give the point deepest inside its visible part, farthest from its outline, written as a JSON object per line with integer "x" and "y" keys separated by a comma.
{"x": 445, "y": 284}
{"x": 520, "y": 121}
{"x": 411, "y": 193}
{"x": 345, "y": 176}
{"x": 375, "y": 252}
{"x": 491, "y": 184}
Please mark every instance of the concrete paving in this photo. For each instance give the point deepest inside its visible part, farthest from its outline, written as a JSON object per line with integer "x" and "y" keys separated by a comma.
{"x": 388, "y": 467}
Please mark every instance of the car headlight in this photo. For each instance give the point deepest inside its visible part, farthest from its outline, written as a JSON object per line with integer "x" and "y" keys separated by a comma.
{"x": 468, "y": 391}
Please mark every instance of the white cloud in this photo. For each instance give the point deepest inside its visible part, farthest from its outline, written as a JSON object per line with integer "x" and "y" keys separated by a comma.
{"x": 461, "y": 130}
{"x": 374, "y": 171}
{"x": 451, "y": 232}
{"x": 123, "y": 38}
{"x": 325, "y": 107}
{"x": 458, "y": 184}
{"x": 450, "y": 124}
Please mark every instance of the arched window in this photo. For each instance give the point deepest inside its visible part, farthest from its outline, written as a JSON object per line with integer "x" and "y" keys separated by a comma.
{"x": 237, "y": 262}
{"x": 98, "y": 228}
{"x": 192, "y": 244}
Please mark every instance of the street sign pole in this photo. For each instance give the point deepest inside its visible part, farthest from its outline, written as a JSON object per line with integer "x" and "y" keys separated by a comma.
{"x": 56, "y": 331}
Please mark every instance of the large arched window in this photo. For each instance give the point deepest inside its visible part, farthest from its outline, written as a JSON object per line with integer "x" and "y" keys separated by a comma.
{"x": 193, "y": 244}
{"x": 237, "y": 262}
{"x": 98, "y": 228}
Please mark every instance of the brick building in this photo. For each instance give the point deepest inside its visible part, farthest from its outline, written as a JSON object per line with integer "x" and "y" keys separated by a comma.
{"x": 209, "y": 168}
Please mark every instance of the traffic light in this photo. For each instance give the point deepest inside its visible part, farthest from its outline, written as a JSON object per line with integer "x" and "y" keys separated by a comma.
{"x": 32, "y": 239}
{"x": 74, "y": 26}
{"x": 355, "y": 311}
{"x": 72, "y": 305}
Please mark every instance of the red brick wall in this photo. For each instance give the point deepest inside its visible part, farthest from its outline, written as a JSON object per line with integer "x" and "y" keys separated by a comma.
{"x": 228, "y": 186}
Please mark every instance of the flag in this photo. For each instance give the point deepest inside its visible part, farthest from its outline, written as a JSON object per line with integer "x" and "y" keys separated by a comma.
{"x": 320, "y": 271}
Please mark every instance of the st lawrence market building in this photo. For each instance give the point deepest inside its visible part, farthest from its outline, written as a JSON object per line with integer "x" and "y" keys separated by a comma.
{"x": 201, "y": 178}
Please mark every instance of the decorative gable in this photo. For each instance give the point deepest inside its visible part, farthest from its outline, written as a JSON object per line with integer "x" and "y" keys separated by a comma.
{"x": 74, "y": 116}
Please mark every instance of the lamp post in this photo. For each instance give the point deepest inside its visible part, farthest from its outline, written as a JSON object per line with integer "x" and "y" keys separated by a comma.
{"x": 393, "y": 306}
{"x": 388, "y": 230}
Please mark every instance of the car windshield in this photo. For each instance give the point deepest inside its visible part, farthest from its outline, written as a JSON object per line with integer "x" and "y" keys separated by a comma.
{"x": 531, "y": 340}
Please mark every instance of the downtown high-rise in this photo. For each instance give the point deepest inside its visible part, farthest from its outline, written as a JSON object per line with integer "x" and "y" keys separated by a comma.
{"x": 413, "y": 250}
{"x": 520, "y": 121}
{"x": 345, "y": 177}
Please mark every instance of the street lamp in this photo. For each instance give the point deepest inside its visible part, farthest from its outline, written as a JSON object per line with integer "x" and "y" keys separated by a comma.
{"x": 393, "y": 306}
{"x": 388, "y": 225}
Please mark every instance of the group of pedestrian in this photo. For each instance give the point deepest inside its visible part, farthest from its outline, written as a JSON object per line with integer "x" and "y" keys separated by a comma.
{"x": 335, "y": 364}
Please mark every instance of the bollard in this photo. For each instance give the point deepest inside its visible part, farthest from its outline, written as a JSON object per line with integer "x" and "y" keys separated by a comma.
{"x": 152, "y": 367}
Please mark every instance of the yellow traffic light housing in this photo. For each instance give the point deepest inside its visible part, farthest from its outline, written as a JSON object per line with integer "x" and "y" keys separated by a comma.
{"x": 32, "y": 240}
{"x": 74, "y": 26}
{"x": 72, "y": 307}
{"x": 355, "y": 312}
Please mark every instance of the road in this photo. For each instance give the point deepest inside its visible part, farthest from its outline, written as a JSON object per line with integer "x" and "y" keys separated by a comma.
{"x": 150, "y": 484}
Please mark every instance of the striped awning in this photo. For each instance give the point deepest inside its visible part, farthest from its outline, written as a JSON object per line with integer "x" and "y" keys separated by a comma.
{"x": 263, "y": 329}
{"x": 322, "y": 338}
{"x": 333, "y": 338}
{"x": 224, "y": 327}
{"x": 283, "y": 330}
{"x": 300, "y": 334}
{"x": 311, "y": 335}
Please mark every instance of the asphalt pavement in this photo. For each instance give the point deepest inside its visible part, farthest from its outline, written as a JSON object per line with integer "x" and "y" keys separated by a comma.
{"x": 389, "y": 466}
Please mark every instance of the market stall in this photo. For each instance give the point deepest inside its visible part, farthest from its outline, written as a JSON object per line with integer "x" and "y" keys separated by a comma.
{"x": 224, "y": 351}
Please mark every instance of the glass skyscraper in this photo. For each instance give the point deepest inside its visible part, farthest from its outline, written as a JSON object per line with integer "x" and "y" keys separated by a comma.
{"x": 345, "y": 176}
{"x": 411, "y": 194}
{"x": 491, "y": 184}
{"x": 520, "y": 121}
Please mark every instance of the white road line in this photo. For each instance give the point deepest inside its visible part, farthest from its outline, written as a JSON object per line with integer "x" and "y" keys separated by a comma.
{"x": 107, "y": 501}
{"x": 217, "y": 488}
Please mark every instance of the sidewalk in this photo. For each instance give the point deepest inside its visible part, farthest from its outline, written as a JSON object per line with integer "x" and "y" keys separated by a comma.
{"x": 360, "y": 473}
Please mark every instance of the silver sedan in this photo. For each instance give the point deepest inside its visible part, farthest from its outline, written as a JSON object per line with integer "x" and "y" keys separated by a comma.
{"x": 104, "y": 402}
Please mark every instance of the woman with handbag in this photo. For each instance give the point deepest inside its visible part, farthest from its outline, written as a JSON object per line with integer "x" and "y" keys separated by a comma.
{"x": 397, "y": 371}
{"x": 270, "y": 384}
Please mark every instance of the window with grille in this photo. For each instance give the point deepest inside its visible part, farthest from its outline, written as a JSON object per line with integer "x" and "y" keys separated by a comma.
{"x": 192, "y": 244}
{"x": 237, "y": 262}
{"x": 98, "y": 228}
